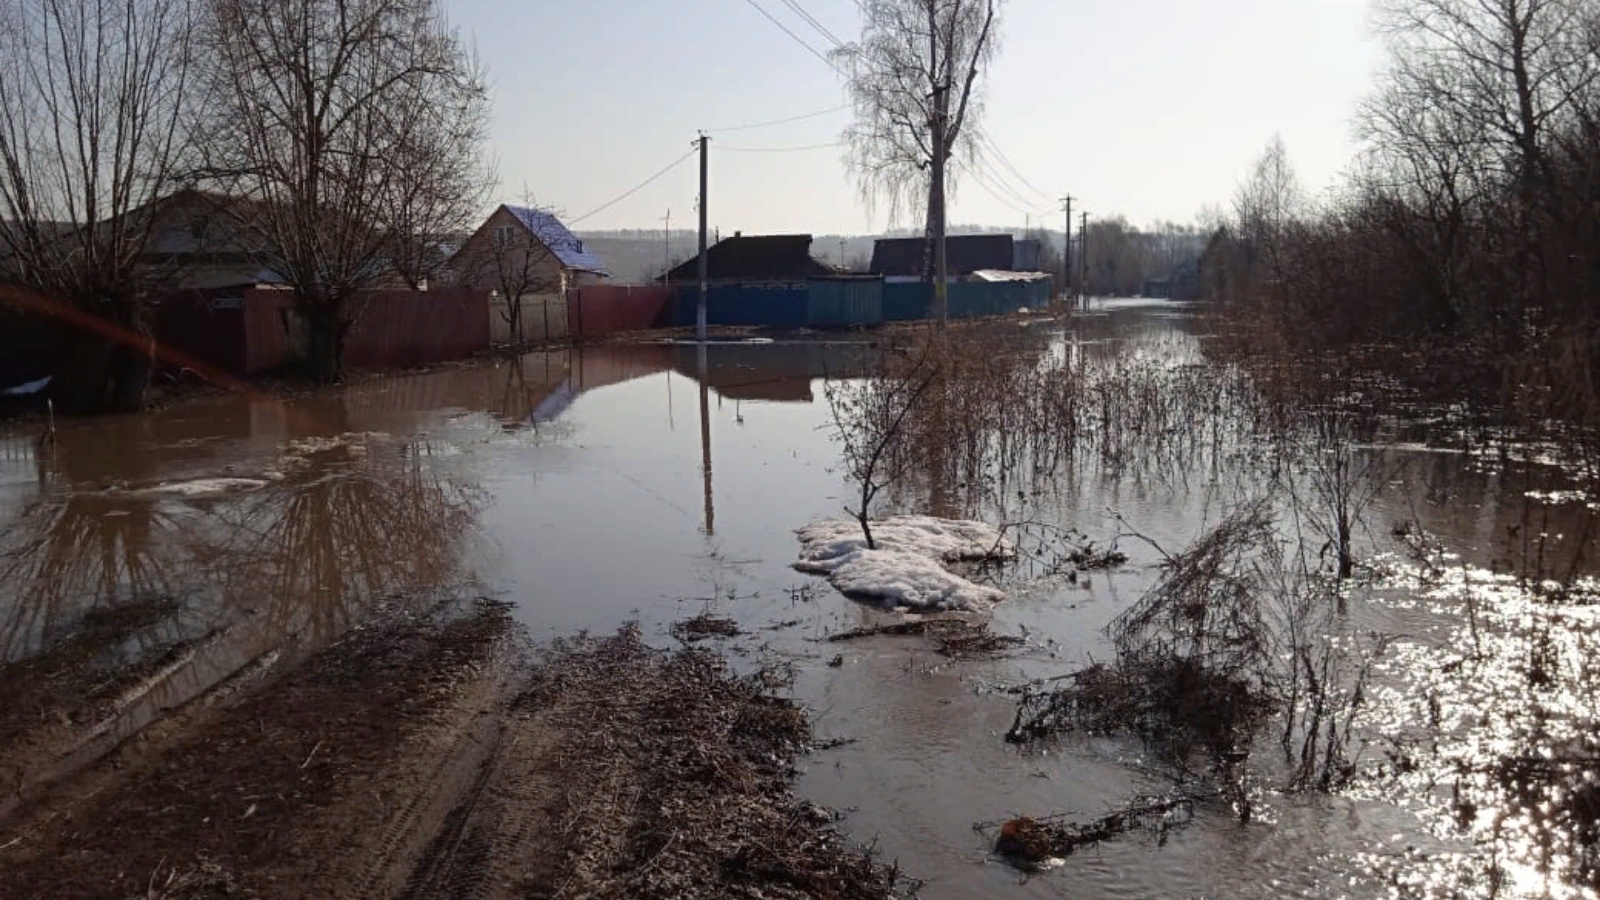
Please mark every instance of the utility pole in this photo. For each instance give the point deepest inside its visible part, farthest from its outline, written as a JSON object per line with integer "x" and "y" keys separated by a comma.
{"x": 1066, "y": 253}
{"x": 1083, "y": 258}
{"x": 666, "y": 243}
{"x": 941, "y": 269}
{"x": 705, "y": 277}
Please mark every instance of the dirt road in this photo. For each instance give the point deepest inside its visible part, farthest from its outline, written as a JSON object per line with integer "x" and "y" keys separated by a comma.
{"x": 431, "y": 756}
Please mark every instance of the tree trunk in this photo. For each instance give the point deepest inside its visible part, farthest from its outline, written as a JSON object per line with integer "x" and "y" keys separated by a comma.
{"x": 98, "y": 374}
{"x": 325, "y": 333}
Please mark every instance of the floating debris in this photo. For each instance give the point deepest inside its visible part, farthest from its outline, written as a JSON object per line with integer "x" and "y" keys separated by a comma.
{"x": 1032, "y": 844}
{"x": 954, "y": 636}
{"x": 706, "y": 626}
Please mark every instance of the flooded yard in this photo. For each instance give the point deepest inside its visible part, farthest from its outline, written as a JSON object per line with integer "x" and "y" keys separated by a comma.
{"x": 153, "y": 566}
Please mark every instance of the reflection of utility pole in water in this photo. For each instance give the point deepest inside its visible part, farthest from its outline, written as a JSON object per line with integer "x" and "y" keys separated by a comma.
{"x": 705, "y": 440}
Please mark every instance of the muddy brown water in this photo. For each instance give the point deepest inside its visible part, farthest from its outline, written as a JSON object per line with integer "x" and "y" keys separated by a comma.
{"x": 179, "y": 548}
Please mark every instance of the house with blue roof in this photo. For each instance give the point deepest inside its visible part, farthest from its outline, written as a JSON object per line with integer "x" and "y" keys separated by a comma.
{"x": 528, "y": 260}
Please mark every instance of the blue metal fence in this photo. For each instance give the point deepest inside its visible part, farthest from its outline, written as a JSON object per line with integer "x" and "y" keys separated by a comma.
{"x": 849, "y": 303}
{"x": 775, "y": 305}
{"x": 845, "y": 303}
{"x": 904, "y": 302}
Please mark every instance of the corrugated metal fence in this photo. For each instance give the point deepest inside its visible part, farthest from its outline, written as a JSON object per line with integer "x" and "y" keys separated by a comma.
{"x": 598, "y": 310}
{"x": 256, "y": 331}
{"x": 409, "y": 328}
{"x": 853, "y": 302}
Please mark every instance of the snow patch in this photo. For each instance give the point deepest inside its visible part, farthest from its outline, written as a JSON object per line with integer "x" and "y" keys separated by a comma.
{"x": 28, "y": 389}
{"x": 206, "y": 487}
{"x": 908, "y": 566}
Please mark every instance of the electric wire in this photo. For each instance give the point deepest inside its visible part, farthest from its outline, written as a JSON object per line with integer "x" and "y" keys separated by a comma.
{"x": 634, "y": 190}
{"x": 795, "y": 37}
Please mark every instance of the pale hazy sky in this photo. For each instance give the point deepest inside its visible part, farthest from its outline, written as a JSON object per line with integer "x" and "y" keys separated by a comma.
{"x": 1151, "y": 108}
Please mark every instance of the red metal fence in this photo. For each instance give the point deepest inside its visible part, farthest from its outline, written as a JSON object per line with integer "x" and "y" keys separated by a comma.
{"x": 409, "y": 328}
{"x": 595, "y": 311}
{"x": 255, "y": 331}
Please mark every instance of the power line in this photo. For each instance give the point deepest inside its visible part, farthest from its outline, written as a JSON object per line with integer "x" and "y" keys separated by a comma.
{"x": 801, "y": 118}
{"x": 991, "y": 191}
{"x": 779, "y": 149}
{"x": 634, "y": 190}
{"x": 797, "y": 39}
{"x": 996, "y": 187}
{"x": 811, "y": 20}
{"x": 984, "y": 138}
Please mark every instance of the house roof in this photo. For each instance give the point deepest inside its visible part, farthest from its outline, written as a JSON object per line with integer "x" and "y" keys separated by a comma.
{"x": 964, "y": 254}
{"x": 772, "y": 257}
{"x": 563, "y": 243}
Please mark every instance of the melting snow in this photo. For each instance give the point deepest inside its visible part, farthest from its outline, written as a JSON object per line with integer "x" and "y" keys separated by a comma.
{"x": 207, "y": 487}
{"x": 908, "y": 566}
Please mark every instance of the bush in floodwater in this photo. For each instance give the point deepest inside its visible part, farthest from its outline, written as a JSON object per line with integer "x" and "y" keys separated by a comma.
{"x": 1334, "y": 483}
{"x": 1228, "y": 638}
{"x": 1191, "y": 654}
{"x": 990, "y": 412}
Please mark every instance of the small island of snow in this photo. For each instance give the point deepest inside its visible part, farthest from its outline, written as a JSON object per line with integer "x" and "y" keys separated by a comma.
{"x": 908, "y": 566}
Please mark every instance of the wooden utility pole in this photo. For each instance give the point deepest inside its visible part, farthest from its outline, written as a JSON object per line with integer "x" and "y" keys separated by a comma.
{"x": 666, "y": 243}
{"x": 1083, "y": 257}
{"x": 941, "y": 269}
{"x": 705, "y": 276}
{"x": 1066, "y": 252}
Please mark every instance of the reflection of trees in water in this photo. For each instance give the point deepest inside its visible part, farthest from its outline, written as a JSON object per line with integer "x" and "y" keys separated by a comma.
{"x": 342, "y": 531}
{"x": 350, "y": 523}
{"x": 65, "y": 556}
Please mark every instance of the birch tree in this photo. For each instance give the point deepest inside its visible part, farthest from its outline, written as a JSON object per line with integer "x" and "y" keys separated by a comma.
{"x": 913, "y": 79}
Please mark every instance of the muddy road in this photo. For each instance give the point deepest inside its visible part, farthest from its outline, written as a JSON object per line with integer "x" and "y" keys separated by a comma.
{"x": 427, "y": 755}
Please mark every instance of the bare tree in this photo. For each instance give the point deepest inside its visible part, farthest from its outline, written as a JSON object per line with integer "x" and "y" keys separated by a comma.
{"x": 516, "y": 262}
{"x": 1512, "y": 67}
{"x": 874, "y": 420}
{"x": 1267, "y": 203}
{"x": 913, "y": 80}
{"x": 442, "y": 182}
{"x": 335, "y": 117}
{"x": 91, "y": 95}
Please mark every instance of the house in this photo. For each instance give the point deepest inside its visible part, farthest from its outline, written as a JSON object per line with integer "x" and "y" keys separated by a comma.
{"x": 758, "y": 259}
{"x": 1027, "y": 255}
{"x": 770, "y": 281}
{"x": 520, "y": 246}
{"x": 1182, "y": 284}
{"x": 900, "y": 259}
{"x": 205, "y": 241}
{"x": 529, "y": 261}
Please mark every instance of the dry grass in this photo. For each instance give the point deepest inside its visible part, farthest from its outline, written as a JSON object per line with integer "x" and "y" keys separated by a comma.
{"x": 684, "y": 788}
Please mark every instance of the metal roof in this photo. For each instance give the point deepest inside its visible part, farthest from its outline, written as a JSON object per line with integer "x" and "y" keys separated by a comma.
{"x": 964, "y": 254}
{"x": 764, "y": 257}
{"x": 563, "y": 243}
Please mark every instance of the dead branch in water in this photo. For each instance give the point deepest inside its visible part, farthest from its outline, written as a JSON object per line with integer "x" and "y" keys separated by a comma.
{"x": 954, "y": 636}
{"x": 1028, "y": 843}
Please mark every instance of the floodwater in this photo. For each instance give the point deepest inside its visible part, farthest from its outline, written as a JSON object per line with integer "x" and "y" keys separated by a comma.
{"x": 653, "y": 482}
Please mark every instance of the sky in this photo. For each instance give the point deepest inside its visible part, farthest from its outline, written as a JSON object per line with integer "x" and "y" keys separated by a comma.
{"x": 1151, "y": 109}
